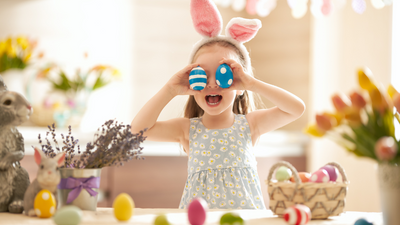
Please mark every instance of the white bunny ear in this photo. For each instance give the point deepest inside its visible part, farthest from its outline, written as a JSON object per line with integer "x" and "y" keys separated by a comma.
{"x": 242, "y": 30}
{"x": 206, "y": 18}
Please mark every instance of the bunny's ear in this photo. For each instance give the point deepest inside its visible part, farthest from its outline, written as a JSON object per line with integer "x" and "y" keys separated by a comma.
{"x": 38, "y": 156}
{"x": 3, "y": 86}
{"x": 206, "y": 18}
{"x": 242, "y": 30}
{"x": 60, "y": 157}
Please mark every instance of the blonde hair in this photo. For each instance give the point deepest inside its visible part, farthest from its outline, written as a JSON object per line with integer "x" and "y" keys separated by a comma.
{"x": 243, "y": 103}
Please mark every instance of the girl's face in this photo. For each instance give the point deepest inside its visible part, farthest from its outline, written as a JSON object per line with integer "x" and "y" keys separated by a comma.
{"x": 212, "y": 99}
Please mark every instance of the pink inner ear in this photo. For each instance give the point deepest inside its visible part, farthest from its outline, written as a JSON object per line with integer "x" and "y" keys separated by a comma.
{"x": 243, "y": 33}
{"x": 37, "y": 156}
{"x": 206, "y": 18}
{"x": 60, "y": 161}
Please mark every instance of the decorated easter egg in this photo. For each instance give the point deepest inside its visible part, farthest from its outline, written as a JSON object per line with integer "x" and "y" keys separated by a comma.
{"x": 197, "y": 211}
{"x": 161, "y": 220}
{"x": 283, "y": 173}
{"x": 197, "y": 78}
{"x": 320, "y": 176}
{"x": 304, "y": 177}
{"x": 231, "y": 219}
{"x": 332, "y": 172}
{"x": 68, "y": 215}
{"x": 123, "y": 206}
{"x": 297, "y": 215}
{"x": 362, "y": 221}
{"x": 44, "y": 204}
{"x": 224, "y": 76}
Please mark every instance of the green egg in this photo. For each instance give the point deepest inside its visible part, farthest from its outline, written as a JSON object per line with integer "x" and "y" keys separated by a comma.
{"x": 68, "y": 215}
{"x": 231, "y": 219}
{"x": 283, "y": 173}
{"x": 161, "y": 220}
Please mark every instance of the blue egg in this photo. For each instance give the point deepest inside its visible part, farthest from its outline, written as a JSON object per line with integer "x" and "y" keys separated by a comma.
{"x": 197, "y": 78}
{"x": 224, "y": 76}
{"x": 362, "y": 221}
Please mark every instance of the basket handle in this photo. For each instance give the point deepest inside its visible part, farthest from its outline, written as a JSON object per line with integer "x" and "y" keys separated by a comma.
{"x": 288, "y": 165}
{"x": 341, "y": 170}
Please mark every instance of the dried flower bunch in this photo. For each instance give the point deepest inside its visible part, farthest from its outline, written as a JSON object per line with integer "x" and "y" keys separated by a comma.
{"x": 113, "y": 144}
{"x": 363, "y": 124}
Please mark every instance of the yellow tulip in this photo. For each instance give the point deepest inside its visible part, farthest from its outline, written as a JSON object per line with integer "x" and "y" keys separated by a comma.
{"x": 336, "y": 116}
{"x": 353, "y": 117}
{"x": 313, "y": 130}
{"x": 391, "y": 91}
{"x": 116, "y": 73}
{"x": 364, "y": 79}
{"x": 27, "y": 57}
{"x": 3, "y": 47}
{"x": 11, "y": 51}
{"x": 378, "y": 101}
{"x": 23, "y": 42}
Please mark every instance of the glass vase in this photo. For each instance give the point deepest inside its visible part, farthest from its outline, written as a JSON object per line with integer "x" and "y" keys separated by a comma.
{"x": 389, "y": 188}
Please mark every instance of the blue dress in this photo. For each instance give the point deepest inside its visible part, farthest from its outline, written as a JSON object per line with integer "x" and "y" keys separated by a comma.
{"x": 222, "y": 169}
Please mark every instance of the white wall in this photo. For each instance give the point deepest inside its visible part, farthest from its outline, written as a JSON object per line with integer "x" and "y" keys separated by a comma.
{"x": 342, "y": 43}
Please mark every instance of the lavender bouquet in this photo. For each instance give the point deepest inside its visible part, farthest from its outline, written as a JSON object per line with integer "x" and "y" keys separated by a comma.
{"x": 113, "y": 144}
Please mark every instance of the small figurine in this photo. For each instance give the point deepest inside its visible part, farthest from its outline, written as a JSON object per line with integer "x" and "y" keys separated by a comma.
{"x": 14, "y": 179}
{"x": 48, "y": 177}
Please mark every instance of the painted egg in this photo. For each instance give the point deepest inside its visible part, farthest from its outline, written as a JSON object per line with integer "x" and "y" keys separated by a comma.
{"x": 68, "y": 215}
{"x": 332, "y": 172}
{"x": 362, "y": 221}
{"x": 161, "y": 220}
{"x": 304, "y": 177}
{"x": 123, "y": 206}
{"x": 224, "y": 76}
{"x": 283, "y": 173}
{"x": 44, "y": 204}
{"x": 197, "y": 211}
{"x": 297, "y": 215}
{"x": 320, "y": 176}
{"x": 197, "y": 78}
{"x": 231, "y": 219}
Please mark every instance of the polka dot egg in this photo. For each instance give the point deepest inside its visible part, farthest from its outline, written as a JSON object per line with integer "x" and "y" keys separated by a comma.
{"x": 44, "y": 204}
{"x": 224, "y": 76}
{"x": 197, "y": 78}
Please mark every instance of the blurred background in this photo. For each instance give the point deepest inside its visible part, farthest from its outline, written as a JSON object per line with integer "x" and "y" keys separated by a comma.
{"x": 126, "y": 50}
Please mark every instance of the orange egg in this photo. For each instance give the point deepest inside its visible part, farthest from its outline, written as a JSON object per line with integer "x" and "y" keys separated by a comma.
{"x": 304, "y": 177}
{"x": 44, "y": 204}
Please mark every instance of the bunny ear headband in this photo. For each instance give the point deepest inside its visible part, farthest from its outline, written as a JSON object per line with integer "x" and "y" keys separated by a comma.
{"x": 208, "y": 22}
{"x": 3, "y": 86}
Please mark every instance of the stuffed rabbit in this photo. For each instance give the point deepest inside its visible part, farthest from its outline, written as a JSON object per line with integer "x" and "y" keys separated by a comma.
{"x": 48, "y": 177}
{"x": 14, "y": 180}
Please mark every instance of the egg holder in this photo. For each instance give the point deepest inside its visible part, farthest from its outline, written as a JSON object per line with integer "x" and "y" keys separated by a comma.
{"x": 323, "y": 199}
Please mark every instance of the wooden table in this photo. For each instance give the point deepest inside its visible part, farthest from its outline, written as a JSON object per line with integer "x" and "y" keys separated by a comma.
{"x": 178, "y": 216}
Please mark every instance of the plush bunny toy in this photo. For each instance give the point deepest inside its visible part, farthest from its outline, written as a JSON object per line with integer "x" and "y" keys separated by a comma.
{"x": 14, "y": 180}
{"x": 48, "y": 177}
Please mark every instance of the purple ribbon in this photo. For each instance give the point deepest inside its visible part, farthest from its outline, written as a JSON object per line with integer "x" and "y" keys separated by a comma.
{"x": 77, "y": 184}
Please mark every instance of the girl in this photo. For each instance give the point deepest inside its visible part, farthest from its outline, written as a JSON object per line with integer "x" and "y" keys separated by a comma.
{"x": 220, "y": 126}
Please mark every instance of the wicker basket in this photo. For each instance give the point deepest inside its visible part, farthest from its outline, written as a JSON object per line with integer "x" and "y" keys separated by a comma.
{"x": 323, "y": 199}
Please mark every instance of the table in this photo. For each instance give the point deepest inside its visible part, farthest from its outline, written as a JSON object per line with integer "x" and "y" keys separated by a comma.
{"x": 179, "y": 216}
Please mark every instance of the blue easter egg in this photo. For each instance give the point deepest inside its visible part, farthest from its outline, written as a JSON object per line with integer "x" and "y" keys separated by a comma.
{"x": 362, "y": 221}
{"x": 224, "y": 76}
{"x": 197, "y": 78}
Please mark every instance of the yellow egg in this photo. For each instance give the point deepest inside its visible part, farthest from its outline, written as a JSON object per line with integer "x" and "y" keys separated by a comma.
{"x": 44, "y": 204}
{"x": 123, "y": 207}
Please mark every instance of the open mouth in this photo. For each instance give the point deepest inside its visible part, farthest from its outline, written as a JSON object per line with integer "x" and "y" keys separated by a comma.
{"x": 213, "y": 99}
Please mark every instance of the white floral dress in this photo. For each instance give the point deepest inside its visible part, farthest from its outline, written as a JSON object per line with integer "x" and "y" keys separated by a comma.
{"x": 222, "y": 168}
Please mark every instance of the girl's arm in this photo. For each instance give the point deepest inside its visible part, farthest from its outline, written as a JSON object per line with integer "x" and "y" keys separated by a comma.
{"x": 171, "y": 130}
{"x": 288, "y": 107}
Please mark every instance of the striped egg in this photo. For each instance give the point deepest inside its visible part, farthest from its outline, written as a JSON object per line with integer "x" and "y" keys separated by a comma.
{"x": 297, "y": 215}
{"x": 197, "y": 78}
{"x": 224, "y": 76}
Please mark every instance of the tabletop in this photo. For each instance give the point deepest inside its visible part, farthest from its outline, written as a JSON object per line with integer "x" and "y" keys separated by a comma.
{"x": 179, "y": 216}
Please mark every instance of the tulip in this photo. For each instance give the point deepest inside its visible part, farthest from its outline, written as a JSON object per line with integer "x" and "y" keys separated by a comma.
{"x": 353, "y": 117}
{"x": 391, "y": 91}
{"x": 378, "y": 101}
{"x": 314, "y": 131}
{"x": 325, "y": 122}
{"x": 340, "y": 103}
{"x": 396, "y": 102}
{"x": 335, "y": 116}
{"x": 3, "y": 47}
{"x": 357, "y": 100}
{"x": 364, "y": 79}
{"x": 23, "y": 42}
{"x": 386, "y": 148}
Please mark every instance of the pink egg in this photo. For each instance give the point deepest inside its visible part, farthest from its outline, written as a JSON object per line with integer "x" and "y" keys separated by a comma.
{"x": 332, "y": 172}
{"x": 297, "y": 215}
{"x": 197, "y": 211}
{"x": 320, "y": 176}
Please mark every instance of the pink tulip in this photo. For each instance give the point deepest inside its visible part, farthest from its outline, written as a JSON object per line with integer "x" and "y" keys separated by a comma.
{"x": 357, "y": 100}
{"x": 396, "y": 102}
{"x": 339, "y": 103}
{"x": 324, "y": 122}
{"x": 386, "y": 148}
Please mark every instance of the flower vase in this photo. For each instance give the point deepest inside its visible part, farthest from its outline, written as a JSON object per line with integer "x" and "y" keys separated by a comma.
{"x": 389, "y": 188}
{"x": 79, "y": 187}
{"x": 14, "y": 80}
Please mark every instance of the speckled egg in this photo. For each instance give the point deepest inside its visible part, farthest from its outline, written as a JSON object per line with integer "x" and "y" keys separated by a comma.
{"x": 320, "y": 176}
{"x": 197, "y": 78}
{"x": 283, "y": 173}
{"x": 44, "y": 204}
{"x": 224, "y": 76}
{"x": 123, "y": 206}
{"x": 197, "y": 211}
{"x": 68, "y": 215}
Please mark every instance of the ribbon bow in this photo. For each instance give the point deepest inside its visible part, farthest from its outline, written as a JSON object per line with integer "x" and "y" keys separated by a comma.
{"x": 77, "y": 184}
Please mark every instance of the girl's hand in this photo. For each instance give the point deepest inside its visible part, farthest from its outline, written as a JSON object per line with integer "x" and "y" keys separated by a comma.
{"x": 179, "y": 83}
{"x": 241, "y": 80}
